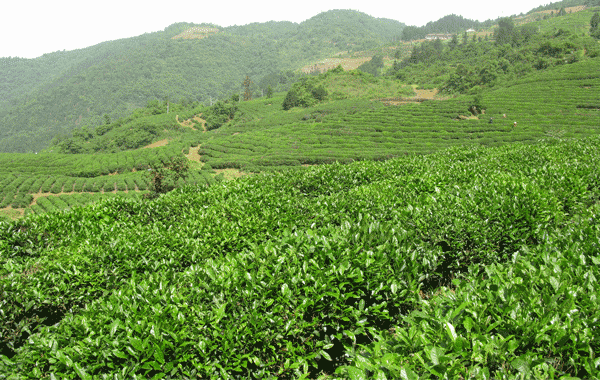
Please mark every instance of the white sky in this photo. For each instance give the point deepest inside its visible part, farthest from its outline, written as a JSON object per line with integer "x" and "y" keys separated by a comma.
{"x": 31, "y": 28}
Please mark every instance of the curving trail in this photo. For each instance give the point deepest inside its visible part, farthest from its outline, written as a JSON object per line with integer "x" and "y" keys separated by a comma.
{"x": 190, "y": 124}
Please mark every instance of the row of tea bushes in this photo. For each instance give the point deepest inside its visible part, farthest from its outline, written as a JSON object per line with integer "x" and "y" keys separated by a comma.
{"x": 303, "y": 274}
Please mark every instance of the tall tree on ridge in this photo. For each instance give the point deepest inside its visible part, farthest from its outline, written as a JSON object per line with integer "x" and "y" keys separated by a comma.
{"x": 247, "y": 91}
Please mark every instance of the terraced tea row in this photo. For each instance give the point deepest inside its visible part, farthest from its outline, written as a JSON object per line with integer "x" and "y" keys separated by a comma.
{"x": 561, "y": 102}
{"x": 22, "y": 180}
{"x": 466, "y": 263}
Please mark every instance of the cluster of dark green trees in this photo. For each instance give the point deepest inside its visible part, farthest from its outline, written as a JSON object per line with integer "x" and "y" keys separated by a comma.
{"x": 221, "y": 112}
{"x": 373, "y": 66}
{"x": 595, "y": 26}
{"x": 306, "y": 92}
{"x": 447, "y": 24}
{"x": 467, "y": 65}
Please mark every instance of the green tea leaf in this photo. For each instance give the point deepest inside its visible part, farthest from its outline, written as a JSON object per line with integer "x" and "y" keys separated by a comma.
{"x": 159, "y": 356}
{"x": 435, "y": 354}
{"x": 408, "y": 374}
{"x": 468, "y": 324}
{"x": 356, "y": 374}
{"x": 81, "y": 372}
{"x": 451, "y": 332}
{"x": 521, "y": 365}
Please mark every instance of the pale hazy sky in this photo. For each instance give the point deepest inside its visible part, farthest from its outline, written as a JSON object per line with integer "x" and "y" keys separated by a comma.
{"x": 31, "y": 28}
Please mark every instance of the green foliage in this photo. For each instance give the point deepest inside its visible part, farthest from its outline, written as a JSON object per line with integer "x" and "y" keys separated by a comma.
{"x": 594, "y": 26}
{"x": 470, "y": 262}
{"x": 517, "y": 51}
{"x": 144, "y": 126}
{"x": 373, "y": 66}
{"x": 164, "y": 176}
{"x": 305, "y": 93}
{"x": 447, "y": 24}
{"x": 505, "y": 34}
{"x": 62, "y": 91}
{"x": 220, "y": 113}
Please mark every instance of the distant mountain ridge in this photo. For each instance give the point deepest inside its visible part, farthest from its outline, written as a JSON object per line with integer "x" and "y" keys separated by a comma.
{"x": 60, "y": 91}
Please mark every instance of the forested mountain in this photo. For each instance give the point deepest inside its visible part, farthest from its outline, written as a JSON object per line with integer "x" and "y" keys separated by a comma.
{"x": 447, "y": 24}
{"x": 455, "y": 24}
{"x": 60, "y": 91}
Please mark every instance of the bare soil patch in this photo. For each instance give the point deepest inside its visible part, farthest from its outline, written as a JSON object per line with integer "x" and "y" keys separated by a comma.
{"x": 420, "y": 96}
{"x": 332, "y": 63}
{"x": 193, "y": 154}
{"x": 12, "y": 213}
{"x": 231, "y": 173}
{"x": 162, "y": 142}
{"x": 197, "y": 32}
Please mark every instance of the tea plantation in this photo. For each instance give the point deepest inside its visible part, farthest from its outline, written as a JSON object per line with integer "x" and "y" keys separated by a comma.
{"x": 476, "y": 262}
{"x": 559, "y": 101}
{"x": 260, "y": 137}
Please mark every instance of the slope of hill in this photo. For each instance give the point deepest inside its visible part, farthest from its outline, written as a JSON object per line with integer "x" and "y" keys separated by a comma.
{"x": 477, "y": 262}
{"x": 115, "y": 77}
{"x": 361, "y": 118}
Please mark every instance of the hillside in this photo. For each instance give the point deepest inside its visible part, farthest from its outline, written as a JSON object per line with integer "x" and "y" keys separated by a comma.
{"x": 361, "y": 118}
{"x": 467, "y": 262}
{"x": 433, "y": 217}
{"x": 60, "y": 91}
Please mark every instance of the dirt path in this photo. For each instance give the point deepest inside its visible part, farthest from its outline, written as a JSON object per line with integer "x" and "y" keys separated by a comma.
{"x": 190, "y": 123}
{"x": 157, "y": 144}
{"x": 193, "y": 154}
{"x": 426, "y": 94}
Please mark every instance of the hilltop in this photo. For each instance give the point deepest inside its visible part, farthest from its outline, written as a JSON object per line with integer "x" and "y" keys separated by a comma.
{"x": 51, "y": 96}
{"x": 60, "y": 91}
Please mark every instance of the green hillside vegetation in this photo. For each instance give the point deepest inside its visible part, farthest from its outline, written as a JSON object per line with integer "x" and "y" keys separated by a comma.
{"x": 351, "y": 123}
{"x": 362, "y": 128}
{"x": 434, "y": 217}
{"x": 447, "y": 24}
{"x": 141, "y": 128}
{"x": 470, "y": 262}
{"x": 62, "y": 91}
{"x": 468, "y": 63}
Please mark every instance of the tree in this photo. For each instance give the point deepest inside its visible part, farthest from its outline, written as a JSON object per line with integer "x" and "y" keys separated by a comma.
{"x": 269, "y": 92}
{"x": 505, "y": 32}
{"x": 477, "y": 106}
{"x": 372, "y": 67}
{"x": 291, "y": 100}
{"x": 164, "y": 175}
{"x": 594, "y": 25}
{"x": 453, "y": 42}
{"x": 247, "y": 91}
